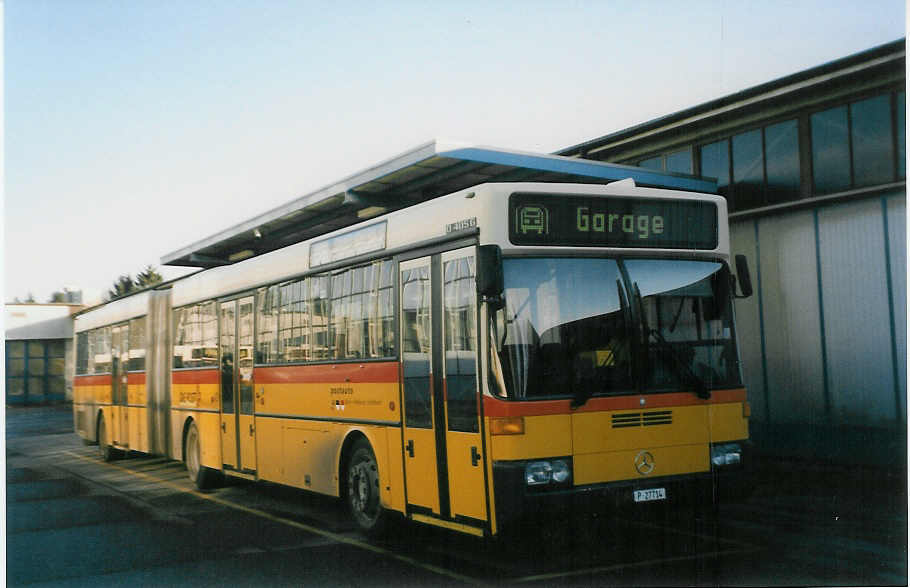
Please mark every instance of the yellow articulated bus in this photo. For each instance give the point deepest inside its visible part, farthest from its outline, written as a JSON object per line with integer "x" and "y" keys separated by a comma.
{"x": 460, "y": 362}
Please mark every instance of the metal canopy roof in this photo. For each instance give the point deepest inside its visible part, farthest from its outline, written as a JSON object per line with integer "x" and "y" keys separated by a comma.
{"x": 429, "y": 171}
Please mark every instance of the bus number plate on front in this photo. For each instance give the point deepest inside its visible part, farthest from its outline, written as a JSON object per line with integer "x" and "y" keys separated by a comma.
{"x": 650, "y": 494}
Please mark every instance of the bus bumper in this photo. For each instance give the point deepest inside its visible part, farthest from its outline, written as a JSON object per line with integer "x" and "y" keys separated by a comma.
{"x": 516, "y": 501}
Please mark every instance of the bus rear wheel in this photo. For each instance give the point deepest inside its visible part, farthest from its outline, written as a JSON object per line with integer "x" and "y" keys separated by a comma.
{"x": 105, "y": 449}
{"x": 362, "y": 489}
{"x": 200, "y": 475}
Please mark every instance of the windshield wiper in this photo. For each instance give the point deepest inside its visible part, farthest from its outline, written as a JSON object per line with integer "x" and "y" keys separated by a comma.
{"x": 683, "y": 368}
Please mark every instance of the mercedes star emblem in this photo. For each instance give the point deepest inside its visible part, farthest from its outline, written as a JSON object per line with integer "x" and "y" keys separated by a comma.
{"x": 644, "y": 463}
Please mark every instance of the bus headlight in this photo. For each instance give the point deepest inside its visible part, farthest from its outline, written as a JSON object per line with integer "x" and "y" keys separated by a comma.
{"x": 560, "y": 471}
{"x": 726, "y": 454}
{"x": 539, "y": 473}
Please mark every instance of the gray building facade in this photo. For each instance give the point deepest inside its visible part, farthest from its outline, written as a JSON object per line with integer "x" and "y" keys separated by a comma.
{"x": 813, "y": 168}
{"x": 39, "y": 353}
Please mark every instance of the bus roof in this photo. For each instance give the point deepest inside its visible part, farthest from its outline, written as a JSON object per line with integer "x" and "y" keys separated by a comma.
{"x": 428, "y": 171}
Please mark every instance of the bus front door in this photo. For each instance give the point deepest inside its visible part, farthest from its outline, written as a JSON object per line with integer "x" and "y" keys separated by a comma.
{"x": 238, "y": 430}
{"x": 444, "y": 463}
{"x": 464, "y": 443}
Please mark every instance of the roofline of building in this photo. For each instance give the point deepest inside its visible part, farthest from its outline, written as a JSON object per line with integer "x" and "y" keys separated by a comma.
{"x": 768, "y": 90}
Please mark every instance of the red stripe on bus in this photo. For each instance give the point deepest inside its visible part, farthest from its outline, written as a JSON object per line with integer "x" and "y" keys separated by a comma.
{"x": 136, "y": 378}
{"x": 100, "y": 380}
{"x": 210, "y": 376}
{"x": 494, "y": 407}
{"x": 355, "y": 373}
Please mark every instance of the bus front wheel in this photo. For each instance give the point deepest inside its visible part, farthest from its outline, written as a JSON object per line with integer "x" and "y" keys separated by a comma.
{"x": 362, "y": 488}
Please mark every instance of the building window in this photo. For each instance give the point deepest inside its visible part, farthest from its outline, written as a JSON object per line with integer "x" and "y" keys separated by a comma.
{"x": 35, "y": 371}
{"x": 15, "y": 372}
{"x": 781, "y": 162}
{"x": 755, "y": 168}
{"x": 830, "y": 150}
{"x": 679, "y": 162}
{"x": 870, "y": 133}
{"x": 748, "y": 170}
{"x": 653, "y": 163}
{"x": 715, "y": 163}
{"x": 901, "y": 126}
{"x": 854, "y": 145}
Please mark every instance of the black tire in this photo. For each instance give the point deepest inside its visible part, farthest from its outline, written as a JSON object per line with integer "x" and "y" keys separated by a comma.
{"x": 200, "y": 475}
{"x": 105, "y": 449}
{"x": 362, "y": 490}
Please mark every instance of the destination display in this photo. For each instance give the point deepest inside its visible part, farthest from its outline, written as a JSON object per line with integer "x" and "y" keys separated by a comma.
{"x": 611, "y": 221}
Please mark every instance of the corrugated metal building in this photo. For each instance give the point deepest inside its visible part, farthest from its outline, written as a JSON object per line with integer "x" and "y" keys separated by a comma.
{"x": 813, "y": 166}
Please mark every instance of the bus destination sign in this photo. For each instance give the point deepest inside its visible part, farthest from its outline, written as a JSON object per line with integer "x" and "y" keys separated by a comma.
{"x": 611, "y": 221}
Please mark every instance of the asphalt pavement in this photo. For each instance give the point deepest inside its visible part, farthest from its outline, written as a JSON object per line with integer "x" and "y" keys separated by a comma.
{"x": 73, "y": 520}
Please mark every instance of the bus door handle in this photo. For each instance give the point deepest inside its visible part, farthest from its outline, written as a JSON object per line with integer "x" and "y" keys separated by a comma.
{"x": 410, "y": 447}
{"x": 224, "y": 426}
{"x": 475, "y": 457}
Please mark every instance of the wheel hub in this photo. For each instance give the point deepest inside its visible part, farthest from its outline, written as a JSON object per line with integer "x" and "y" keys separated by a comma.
{"x": 360, "y": 487}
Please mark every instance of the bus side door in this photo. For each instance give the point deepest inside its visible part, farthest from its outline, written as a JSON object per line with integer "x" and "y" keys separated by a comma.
{"x": 238, "y": 430}
{"x": 419, "y": 427}
{"x": 119, "y": 363}
{"x": 228, "y": 348}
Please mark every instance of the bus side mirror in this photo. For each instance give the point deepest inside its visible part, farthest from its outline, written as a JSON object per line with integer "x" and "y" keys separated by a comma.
{"x": 742, "y": 273}
{"x": 489, "y": 273}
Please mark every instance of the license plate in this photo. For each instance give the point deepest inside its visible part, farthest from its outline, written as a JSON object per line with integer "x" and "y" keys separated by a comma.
{"x": 650, "y": 494}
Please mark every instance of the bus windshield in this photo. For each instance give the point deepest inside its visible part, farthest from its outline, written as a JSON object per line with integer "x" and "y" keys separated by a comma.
{"x": 588, "y": 327}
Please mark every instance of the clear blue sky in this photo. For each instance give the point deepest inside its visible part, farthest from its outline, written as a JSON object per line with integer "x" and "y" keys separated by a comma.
{"x": 136, "y": 128}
